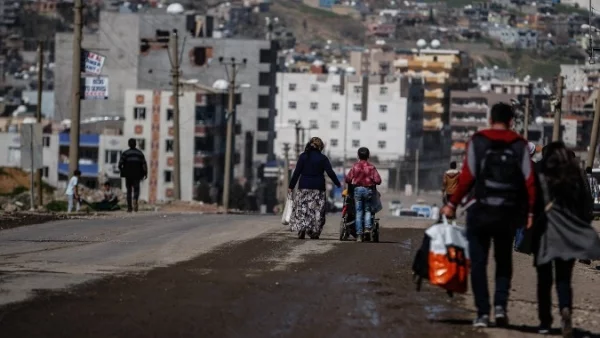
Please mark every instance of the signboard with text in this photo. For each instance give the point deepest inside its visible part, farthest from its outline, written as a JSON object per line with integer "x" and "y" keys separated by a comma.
{"x": 94, "y": 88}
{"x": 91, "y": 63}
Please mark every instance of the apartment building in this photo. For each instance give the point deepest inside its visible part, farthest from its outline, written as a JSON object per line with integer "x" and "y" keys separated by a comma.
{"x": 135, "y": 46}
{"x": 149, "y": 120}
{"x": 577, "y": 77}
{"x": 330, "y": 106}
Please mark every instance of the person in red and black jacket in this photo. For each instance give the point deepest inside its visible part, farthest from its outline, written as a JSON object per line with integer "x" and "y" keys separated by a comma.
{"x": 499, "y": 174}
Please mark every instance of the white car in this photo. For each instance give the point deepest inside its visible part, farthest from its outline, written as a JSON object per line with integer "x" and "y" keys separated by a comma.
{"x": 395, "y": 205}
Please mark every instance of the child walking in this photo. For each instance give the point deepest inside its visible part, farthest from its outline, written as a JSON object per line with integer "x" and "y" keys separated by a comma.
{"x": 73, "y": 191}
{"x": 364, "y": 177}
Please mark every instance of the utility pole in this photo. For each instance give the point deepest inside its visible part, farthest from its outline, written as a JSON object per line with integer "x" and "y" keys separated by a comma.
{"x": 76, "y": 88}
{"x": 398, "y": 175}
{"x": 38, "y": 113}
{"x": 174, "y": 56}
{"x": 526, "y": 119}
{"x": 297, "y": 127}
{"x": 557, "y": 109}
{"x": 230, "y": 120}
{"x": 286, "y": 168}
{"x": 417, "y": 172}
{"x": 594, "y": 140}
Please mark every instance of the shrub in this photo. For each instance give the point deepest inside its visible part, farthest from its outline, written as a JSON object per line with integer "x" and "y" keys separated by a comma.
{"x": 57, "y": 206}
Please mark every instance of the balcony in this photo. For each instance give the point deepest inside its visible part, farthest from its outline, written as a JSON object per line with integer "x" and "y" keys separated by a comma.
{"x": 434, "y": 65}
{"x": 434, "y": 94}
{"x": 433, "y": 108}
{"x": 469, "y": 108}
{"x": 468, "y": 122}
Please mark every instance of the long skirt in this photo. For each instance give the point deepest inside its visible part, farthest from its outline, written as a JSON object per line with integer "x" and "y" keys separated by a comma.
{"x": 309, "y": 211}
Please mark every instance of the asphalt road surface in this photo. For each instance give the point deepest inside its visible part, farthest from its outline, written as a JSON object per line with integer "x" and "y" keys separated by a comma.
{"x": 187, "y": 275}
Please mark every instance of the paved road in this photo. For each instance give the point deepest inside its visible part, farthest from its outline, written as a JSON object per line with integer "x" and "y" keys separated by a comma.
{"x": 58, "y": 254}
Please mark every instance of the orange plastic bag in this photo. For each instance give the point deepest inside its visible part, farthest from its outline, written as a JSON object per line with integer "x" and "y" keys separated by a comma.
{"x": 448, "y": 259}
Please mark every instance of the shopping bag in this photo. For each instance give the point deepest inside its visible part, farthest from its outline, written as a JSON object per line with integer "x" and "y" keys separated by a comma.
{"x": 448, "y": 260}
{"x": 287, "y": 210}
{"x": 376, "y": 205}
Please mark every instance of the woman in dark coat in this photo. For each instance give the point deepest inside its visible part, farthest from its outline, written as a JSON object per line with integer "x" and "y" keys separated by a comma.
{"x": 310, "y": 202}
{"x": 562, "y": 232}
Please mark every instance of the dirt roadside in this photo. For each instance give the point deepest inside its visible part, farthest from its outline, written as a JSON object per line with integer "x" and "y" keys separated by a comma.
{"x": 274, "y": 285}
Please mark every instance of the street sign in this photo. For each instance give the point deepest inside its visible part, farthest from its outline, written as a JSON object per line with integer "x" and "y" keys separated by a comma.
{"x": 91, "y": 63}
{"x": 31, "y": 146}
{"x": 94, "y": 88}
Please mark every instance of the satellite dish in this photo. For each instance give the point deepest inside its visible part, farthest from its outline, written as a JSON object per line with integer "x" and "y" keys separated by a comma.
{"x": 29, "y": 120}
{"x": 586, "y": 89}
{"x": 435, "y": 43}
{"x": 539, "y": 120}
{"x": 495, "y": 67}
{"x": 350, "y": 70}
{"x": 577, "y": 89}
{"x": 333, "y": 69}
{"x": 175, "y": 9}
{"x": 317, "y": 63}
{"x": 421, "y": 43}
{"x": 484, "y": 88}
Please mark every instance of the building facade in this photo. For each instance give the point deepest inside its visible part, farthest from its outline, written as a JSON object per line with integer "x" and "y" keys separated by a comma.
{"x": 330, "y": 106}
{"x": 135, "y": 46}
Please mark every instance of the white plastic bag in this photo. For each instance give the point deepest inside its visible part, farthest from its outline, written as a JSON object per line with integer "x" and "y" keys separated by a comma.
{"x": 287, "y": 210}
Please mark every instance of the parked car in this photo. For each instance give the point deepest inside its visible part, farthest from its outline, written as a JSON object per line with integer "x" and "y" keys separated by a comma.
{"x": 395, "y": 204}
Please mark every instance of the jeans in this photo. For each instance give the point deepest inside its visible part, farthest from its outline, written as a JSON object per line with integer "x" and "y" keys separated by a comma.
{"x": 133, "y": 187}
{"x": 71, "y": 199}
{"x": 563, "y": 271}
{"x": 480, "y": 240}
{"x": 362, "y": 202}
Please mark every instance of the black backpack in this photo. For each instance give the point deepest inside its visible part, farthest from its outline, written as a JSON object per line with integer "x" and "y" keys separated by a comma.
{"x": 499, "y": 182}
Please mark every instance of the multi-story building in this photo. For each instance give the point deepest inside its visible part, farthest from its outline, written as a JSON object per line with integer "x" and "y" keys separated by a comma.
{"x": 330, "y": 106}
{"x": 578, "y": 77}
{"x": 135, "y": 46}
{"x": 495, "y": 73}
{"x": 149, "y": 120}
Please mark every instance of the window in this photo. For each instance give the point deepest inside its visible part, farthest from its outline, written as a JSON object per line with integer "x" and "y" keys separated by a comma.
{"x": 356, "y": 125}
{"x": 313, "y": 124}
{"x": 334, "y": 142}
{"x": 336, "y": 88}
{"x": 292, "y": 87}
{"x": 382, "y": 127}
{"x": 335, "y": 124}
{"x": 314, "y": 105}
{"x": 383, "y": 90}
{"x": 383, "y": 108}
{"x": 112, "y": 156}
{"x": 357, "y": 89}
{"x": 355, "y": 143}
{"x": 357, "y": 107}
{"x": 139, "y": 113}
{"x": 291, "y": 122}
{"x": 335, "y": 106}
{"x": 292, "y": 105}
{"x": 201, "y": 55}
{"x": 169, "y": 114}
{"x": 264, "y": 79}
{"x": 168, "y": 175}
{"x": 314, "y": 87}
{"x": 435, "y": 58}
{"x": 45, "y": 172}
{"x": 265, "y": 56}
{"x": 141, "y": 144}
{"x": 46, "y": 141}
{"x": 263, "y": 101}
{"x": 262, "y": 147}
{"x": 169, "y": 145}
{"x": 381, "y": 144}
{"x": 263, "y": 124}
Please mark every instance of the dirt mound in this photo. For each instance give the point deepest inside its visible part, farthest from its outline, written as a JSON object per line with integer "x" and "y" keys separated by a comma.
{"x": 13, "y": 178}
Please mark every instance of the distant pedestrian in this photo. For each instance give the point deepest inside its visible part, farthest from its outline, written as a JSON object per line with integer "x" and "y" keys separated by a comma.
{"x": 561, "y": 233}
{"x": 435, "y": 212}
{"x": 134, "y": 169}
{"x": 450, "y": 182}
{"x": 365, "y": 178}
{"x": 499, "y": 171}
{"x": 592, "y": 183}
{"x": 310, "y": 202}
{"x": 72, "y": 192}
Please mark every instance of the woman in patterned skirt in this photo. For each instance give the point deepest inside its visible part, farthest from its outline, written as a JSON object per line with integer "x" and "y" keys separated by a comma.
{"x": 308, "y": 216}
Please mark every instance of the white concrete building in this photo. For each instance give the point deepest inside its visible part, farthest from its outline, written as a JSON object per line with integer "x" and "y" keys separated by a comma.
{"x": 148, "y": 119}
{"x": 320, "y": 105}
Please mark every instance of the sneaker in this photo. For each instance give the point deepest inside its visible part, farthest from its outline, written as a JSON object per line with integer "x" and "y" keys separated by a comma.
{"x": 359, "y": 238}
{"x": 566, "y": 323}
{"x": 501, "y": 317}
{"x": 544, "y": 329}
{"x": 368, "y": 230}
{"x": 482, "y": 321}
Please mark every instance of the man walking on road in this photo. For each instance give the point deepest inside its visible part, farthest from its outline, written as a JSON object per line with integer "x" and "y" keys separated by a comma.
{"x": 499, "y": 171}
{"x": 133, "y": 168}
{"x": 450, "y": 182}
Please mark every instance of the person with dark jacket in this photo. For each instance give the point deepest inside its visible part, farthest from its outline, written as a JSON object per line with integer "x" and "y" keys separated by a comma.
{"x": 562, "y": 233}
{"x": 133, "y": 168}
{"x": 498, "y": 172}
{"x": 310, "y": 202}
